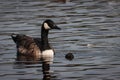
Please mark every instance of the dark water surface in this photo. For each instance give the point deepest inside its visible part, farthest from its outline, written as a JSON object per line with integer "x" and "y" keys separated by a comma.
{"x": 90, "y": 30}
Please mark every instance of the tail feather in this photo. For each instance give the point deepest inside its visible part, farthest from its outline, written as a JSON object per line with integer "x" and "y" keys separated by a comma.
{"x": 14, "y": 36}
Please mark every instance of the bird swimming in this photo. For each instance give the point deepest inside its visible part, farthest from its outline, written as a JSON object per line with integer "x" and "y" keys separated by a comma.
{"x": 37, "y": 47}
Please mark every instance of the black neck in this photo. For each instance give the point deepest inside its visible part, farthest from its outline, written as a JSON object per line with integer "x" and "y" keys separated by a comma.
{"x": 44, "y": 39}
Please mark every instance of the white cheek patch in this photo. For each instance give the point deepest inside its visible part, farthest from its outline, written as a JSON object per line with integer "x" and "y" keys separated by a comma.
{"x": 46, "y": 26}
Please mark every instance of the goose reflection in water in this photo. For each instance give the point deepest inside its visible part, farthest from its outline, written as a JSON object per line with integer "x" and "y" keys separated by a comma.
{"x": 45, "y": 61}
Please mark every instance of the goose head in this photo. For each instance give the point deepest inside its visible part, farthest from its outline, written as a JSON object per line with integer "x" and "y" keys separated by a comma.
{"x": 49, "y": 24}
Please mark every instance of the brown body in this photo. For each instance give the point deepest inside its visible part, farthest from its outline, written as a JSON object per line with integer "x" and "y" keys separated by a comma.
{"x": 26, "y": 45}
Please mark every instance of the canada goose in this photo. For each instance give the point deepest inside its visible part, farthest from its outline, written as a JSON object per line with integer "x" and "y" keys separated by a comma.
{"x": 38, "y": 47}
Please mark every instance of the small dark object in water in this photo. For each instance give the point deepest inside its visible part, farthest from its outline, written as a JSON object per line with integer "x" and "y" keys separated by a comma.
{"x": 69, "y": 56}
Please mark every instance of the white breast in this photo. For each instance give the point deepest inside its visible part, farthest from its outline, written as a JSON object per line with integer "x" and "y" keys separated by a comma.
{"x": 48, "y": 55}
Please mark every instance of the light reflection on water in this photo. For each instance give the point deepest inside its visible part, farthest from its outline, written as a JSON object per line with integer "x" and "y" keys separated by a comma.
{"x": 90, "y": 30}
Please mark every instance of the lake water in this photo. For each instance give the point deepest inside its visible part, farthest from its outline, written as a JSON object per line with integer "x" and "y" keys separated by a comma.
{"x": 90, "y": 31}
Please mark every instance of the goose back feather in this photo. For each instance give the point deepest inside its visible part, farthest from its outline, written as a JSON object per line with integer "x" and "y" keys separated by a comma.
{"x": 27, "y": 45}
